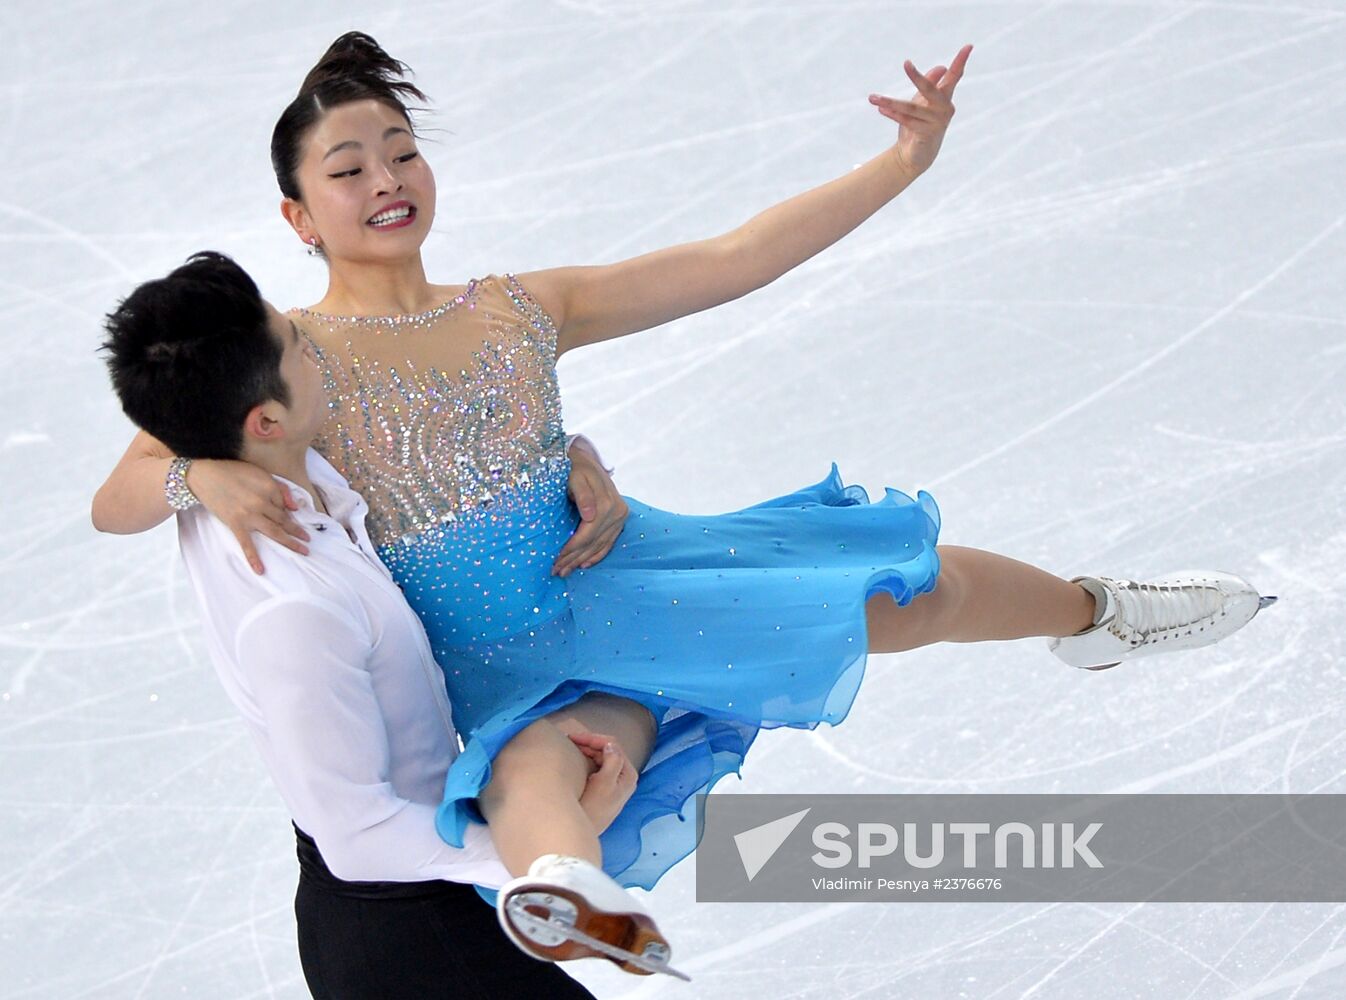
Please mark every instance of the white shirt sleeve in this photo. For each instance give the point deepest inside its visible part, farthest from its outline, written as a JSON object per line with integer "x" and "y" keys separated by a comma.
{"x": 305, "y": 664}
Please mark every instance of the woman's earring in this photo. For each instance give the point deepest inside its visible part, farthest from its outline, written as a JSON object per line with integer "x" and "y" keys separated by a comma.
{"x": 313, "y": 249}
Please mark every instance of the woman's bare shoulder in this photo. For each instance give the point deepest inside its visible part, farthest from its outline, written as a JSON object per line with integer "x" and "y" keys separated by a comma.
{"x": 549, "y": 289}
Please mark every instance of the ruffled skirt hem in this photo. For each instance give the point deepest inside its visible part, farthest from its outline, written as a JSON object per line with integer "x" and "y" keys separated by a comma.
{"x": 722, "y": 626}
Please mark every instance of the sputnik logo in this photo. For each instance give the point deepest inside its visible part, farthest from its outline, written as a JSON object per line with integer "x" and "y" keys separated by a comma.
{"x": 757, "y": 846}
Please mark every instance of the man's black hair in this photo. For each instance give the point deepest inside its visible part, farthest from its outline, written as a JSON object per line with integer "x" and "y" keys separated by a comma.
{"x": 192, "y": 353}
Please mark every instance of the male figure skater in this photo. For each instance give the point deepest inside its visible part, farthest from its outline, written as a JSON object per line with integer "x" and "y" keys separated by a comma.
{"x": 324, "y": 658}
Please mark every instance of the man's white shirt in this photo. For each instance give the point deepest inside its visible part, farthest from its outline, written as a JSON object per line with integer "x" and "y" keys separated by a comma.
{"x": 333, "y": 673}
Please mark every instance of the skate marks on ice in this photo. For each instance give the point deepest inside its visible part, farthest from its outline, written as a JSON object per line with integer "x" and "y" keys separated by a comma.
{"x": 1105, "y": 331}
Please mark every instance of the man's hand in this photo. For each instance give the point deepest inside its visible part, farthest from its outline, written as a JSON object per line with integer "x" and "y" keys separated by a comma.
{"x": 602, "y": 511}
{"x": 611, "y": 781}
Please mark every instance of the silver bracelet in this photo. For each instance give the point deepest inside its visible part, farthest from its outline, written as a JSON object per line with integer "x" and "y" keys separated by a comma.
{"x": 176, "y": 491}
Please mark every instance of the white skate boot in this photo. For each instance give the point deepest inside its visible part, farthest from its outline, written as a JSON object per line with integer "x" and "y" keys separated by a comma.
{"x": 567, "y": 908}
{"x": 1184, "y": 610}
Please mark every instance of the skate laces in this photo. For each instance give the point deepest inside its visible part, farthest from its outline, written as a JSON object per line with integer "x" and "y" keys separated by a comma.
{"x": 1147, "y": 608}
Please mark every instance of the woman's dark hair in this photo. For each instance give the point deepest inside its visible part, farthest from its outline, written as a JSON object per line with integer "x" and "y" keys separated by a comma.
{"x": 191, "y": 354}
{"x": 354, "y": 68}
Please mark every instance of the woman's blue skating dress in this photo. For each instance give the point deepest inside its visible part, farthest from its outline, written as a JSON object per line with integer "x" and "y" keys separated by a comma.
{"x": 449, "y": 424}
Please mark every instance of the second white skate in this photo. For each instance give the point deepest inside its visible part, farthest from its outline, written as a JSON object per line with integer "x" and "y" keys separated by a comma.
{"x": 1184, "y": 610}
{"x": 566, "y": 908}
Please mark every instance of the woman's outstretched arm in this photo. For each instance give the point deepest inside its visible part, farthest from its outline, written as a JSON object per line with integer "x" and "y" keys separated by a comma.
{"x": 593, "y": 304}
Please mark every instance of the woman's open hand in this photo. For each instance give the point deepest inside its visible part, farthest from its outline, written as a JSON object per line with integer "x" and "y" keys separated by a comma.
{"x": 925, "y": 118}
{"x": 247, "y": 498}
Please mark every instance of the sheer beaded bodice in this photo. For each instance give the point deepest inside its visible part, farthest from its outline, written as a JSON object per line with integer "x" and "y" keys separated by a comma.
{"x": 439, "y": 416}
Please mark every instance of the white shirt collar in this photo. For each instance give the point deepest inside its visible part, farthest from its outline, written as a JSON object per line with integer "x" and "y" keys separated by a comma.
{"x": 342, "y": 502}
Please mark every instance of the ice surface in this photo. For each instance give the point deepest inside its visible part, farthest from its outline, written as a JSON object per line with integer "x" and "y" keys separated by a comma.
{"x": 1106, "y": 332}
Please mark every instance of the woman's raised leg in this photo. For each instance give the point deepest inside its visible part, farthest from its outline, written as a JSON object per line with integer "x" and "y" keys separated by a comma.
{"x": 980, "y": 596}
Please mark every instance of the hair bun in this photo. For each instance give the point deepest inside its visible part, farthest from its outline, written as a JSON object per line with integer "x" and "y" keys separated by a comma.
{"x": 356, "y": 56}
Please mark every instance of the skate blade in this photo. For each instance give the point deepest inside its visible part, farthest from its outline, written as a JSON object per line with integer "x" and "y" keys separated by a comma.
{"x": 1265, "y": 602}
{"x": 541, "y": 916}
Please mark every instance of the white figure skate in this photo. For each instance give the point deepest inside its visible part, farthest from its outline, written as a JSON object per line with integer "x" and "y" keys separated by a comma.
{"x": 567, "y": 908}
{"x": 1185, "y": 610}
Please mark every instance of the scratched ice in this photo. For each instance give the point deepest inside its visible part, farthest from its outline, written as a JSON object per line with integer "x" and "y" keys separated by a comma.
{"x": 1106, "y": 332}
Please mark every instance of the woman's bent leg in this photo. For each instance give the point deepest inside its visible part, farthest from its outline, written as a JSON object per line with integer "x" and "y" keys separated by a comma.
{"x": 532, "y": 802}
{"x": 980, "y": 596}
{"x": 628, "y": 722}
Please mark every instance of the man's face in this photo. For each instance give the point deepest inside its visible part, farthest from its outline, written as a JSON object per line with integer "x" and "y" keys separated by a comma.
{"x": 307, "y": 411}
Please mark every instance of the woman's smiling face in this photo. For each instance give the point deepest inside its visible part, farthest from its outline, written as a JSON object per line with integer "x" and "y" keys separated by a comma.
{"x": 368, "y": 194}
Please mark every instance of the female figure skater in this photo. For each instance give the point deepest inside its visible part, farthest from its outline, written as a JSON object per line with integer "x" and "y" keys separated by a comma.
{"x": 695, "y": 632}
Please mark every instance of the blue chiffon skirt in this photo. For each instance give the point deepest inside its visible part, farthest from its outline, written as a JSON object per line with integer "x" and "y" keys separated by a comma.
{"x": 722, "y": 625}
